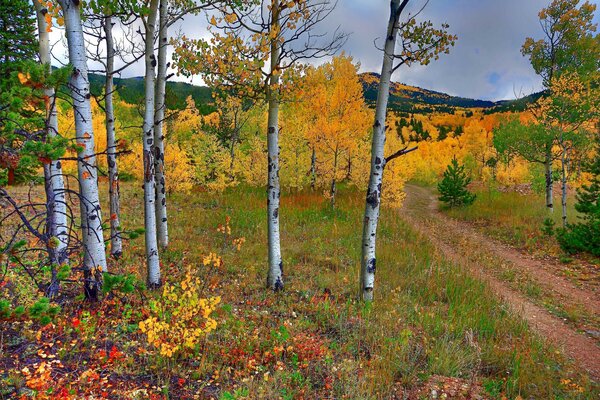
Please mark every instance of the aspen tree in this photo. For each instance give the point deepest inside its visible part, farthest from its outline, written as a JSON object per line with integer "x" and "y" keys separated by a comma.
{"x": 94, "y": 263}
{"x": 257, "y": 49}
{"x": 421, "y": 43}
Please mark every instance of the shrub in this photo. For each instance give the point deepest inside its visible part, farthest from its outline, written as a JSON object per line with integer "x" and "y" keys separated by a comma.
{"x": 180, "y": 318}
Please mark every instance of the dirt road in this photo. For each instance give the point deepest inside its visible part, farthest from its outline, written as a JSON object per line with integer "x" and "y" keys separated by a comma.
{"x": 486, "y": 258}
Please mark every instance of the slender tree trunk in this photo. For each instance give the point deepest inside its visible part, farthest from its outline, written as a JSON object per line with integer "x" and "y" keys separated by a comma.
{"x": 563, "y": 163}
{"x": 152, "y": 258}
{"x": 116, "y": 243}
{"x": 57, "y": 224}
{"x": 275, "y": 276}
{"x": 349, "y": 171}
{"x": 11, "y": 177}
{"x": 159, "y": 145}
{"x": 548, "y": 176}
{"x": 234, "y": 139}
{"x": 313, "y": 169}
{"x": 94, "y": 262}
{"x": 373, "y": 199}
{"x": 332, "y": 191}
{"x": 57, "y": 256}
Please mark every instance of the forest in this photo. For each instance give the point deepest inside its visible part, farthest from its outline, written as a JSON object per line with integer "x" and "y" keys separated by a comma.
{"x": 295, "y": 226}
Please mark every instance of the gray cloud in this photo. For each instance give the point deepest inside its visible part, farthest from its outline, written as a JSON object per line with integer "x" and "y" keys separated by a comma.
{"x": 486, "y": 62}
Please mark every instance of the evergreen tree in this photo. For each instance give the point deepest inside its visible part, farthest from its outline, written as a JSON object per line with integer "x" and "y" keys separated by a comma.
{"x": 453, "y": 187}
{"x": 585, "y": 235}
{"x": 18, "y": 41}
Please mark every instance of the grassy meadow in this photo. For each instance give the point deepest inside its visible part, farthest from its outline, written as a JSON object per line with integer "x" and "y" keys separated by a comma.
{"x": 431, "y": 323}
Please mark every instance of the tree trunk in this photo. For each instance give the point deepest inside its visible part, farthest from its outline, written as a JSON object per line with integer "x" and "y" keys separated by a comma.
{"x": 57, "y": 224}
{"x": 313, "y": 169}
{"x": 116, "y": 243}
{"x": 94, "y": 262}
{"x": 234, "y": 139}
{"x": 563, "y": 162}
{"x": 548, "y": 175}
{"x": 275, "y": 276}
{"x": 159, "y": 145}
{"x": 373, "y": 198}
{"x": 56, "y": 250}
{"x": 349, "y": 171}
{"x": 152, "y": 259}
{"x": 332, "y": 191}
{"x": 11, "y": 177}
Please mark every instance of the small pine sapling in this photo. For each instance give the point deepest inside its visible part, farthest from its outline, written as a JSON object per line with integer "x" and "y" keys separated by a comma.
{"x": 453, "y": 187}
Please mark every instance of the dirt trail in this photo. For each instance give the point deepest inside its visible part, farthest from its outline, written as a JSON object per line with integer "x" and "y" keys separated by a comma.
{"x": 449, "y": 235}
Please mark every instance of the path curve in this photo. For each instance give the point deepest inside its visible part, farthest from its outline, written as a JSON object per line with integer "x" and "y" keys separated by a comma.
{"x": 421, "y": 212}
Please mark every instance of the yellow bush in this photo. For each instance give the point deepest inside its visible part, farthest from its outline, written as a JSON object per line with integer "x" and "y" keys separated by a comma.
{"x": 180, "y": 318}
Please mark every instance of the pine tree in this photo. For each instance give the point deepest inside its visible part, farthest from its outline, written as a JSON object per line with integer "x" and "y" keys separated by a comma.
{"x": 18, "y": 41}
{"x": 453, "y": 187}
{"x": 585, "y": 235}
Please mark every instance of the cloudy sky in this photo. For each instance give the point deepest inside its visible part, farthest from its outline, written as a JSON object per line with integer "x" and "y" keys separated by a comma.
{"x": 486, "y": 62}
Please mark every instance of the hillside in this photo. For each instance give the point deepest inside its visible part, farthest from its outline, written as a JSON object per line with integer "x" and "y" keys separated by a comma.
{"x": 403, "y": 98}
{"x": 412, "y": 99}
{"x": 131, "y": 90}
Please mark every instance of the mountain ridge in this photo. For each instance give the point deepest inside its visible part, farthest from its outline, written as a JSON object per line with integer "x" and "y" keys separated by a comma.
{"x": 403, "y": 98}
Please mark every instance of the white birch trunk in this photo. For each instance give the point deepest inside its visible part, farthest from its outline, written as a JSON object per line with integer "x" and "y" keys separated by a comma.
{"x": 275, "y": 276}
{"x": 159, "y": 146}
{"x": 57, "y": 224}
{"x": 373, "y": 200}
{"x": 148, "y": 149}
{"x": 116, "y": 243}
{"x": 91, "y": 217}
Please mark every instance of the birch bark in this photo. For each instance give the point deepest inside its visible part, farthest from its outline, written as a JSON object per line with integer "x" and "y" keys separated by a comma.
{"x": 159, "y": 146}
{"x": 94, "y": 262}
{"x": 116, "y": 243}
{"x": 373, "y": 199}
{"x": 275, "y": 276}
{"x": 152, "y": 258}
{"x": 57, "y": 225}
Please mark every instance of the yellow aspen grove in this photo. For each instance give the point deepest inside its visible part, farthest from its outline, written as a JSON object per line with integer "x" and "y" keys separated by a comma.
{"x": 256, "y": 51}
{"x": 338, "y": 119}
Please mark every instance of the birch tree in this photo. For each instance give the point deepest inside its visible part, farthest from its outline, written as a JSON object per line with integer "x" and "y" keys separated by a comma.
{"x": 420, "y": 43}
{"x": 256, "y": 50}
{"x": 159, "y": 153}
{"x": 152, "y": 257}
{"x": 94, "y": 262}
{"x": 569, "y": 111}
{"x": 53, "y": 176}
{"x": 101, "y": 17}
{"x": 568, "y": 44}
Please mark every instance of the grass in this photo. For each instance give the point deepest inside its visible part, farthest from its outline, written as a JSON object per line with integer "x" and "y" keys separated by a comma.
{"x": 516, "y": 218}
{"x": 314, "y": 340}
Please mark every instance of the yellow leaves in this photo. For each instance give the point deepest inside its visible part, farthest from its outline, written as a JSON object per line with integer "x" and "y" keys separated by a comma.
{"x": 48, "y": 18}
{"x": 230, "y": 18}
{"x": 213, "y": 21}
{"x": 60, "y": 21}
{"x": 24, "y": 78}
{"x": 213, "y": 259}
{"x": 181, "y": 318}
